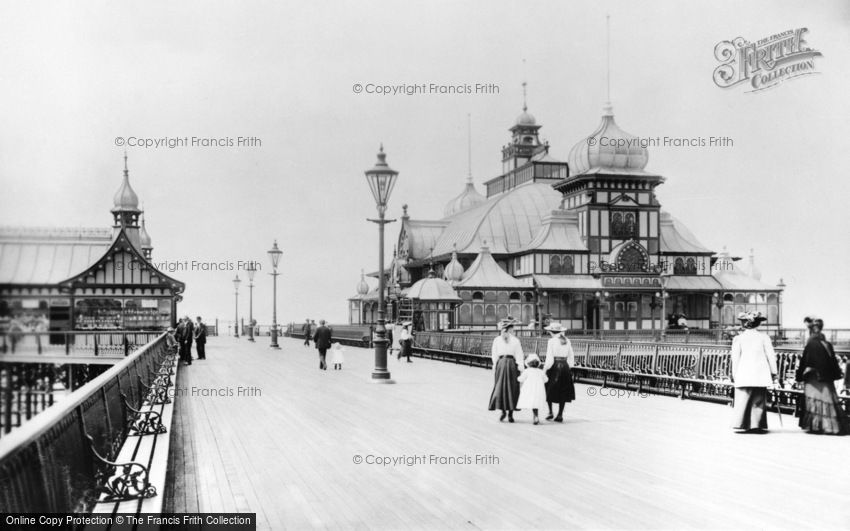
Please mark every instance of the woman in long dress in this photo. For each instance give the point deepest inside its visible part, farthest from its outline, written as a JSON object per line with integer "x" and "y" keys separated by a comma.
{"x": 818, "y": 370}
{"x": 753, "y": 371}
{"x": 508, "y": 361}
{"x": 559, "y": 359}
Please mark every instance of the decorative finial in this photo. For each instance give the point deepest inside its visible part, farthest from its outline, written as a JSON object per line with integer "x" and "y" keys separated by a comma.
{"x": 126, "y": 171}
{"x": 404, "y": 209}
{"x": 524, "y": 95}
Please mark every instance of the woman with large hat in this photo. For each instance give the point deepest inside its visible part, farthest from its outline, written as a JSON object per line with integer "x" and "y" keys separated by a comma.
{"x": 508, "y": 361}
{"x": 753, "y": 371}
{"x": 818, "y": 370}
{"x": 559, "y": 358}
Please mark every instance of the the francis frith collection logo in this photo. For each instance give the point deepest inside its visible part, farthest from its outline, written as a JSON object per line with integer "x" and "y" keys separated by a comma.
{"x": 765, "y": 63}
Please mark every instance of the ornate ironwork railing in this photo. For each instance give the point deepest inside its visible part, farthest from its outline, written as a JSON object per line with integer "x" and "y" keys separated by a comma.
{"x": 688, "y": 370}
{"x": 50, "y": 464}
{"x": 74, "y": 343}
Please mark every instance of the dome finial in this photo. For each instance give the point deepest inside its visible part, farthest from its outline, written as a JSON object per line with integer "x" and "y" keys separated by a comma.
{"x": 469, "y": 147}
{"x": 126, "y": 171}
{"x": 524, "y": 94}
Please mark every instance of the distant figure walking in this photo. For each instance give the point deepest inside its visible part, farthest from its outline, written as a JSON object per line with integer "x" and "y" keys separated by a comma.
{"x": 390, "y": 342}
{"x": 508, "y": 360}
{"x": 337, "y": 356}
{"x": 818, "y": 370}
{"x": 181, "y": 332}
{"x": 307, "y": 330}
{"x": 200, "y": 335}
{"x": 559, "y": 359}
{"x": 532, "y": 395}
{"x": 406, "y": 341}
{"x": 753, "y": 371}
{"x": 322, "y": 339}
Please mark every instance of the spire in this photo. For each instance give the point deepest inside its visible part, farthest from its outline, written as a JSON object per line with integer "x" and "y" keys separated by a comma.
{"x": 608, "y": 43}
{"x": 524, "y": 95}
{"x": 469, "y": 147}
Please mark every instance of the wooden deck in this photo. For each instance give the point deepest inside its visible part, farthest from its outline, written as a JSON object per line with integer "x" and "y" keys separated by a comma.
{"x": 288, "y": 453}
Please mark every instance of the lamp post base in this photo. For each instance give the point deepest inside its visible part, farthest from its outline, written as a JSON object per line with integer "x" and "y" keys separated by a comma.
{"x": 381, "y": 378}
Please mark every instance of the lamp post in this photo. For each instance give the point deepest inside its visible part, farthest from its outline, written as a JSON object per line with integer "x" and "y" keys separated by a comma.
{"x": 600, "y": 300}
{"x": 236, "y": 283}
{"x": 665, "y": 276}
{"x": 381, "y": 180}
{"x": 252, "y": 270}
{"x": 274, "y": 254}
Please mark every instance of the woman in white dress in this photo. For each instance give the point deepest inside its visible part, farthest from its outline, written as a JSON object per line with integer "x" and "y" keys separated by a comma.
{"x": 533, "y": 393}
{"x": 753, "y": 371}
{"x": 559, "y": 359}
{"x": 508, "y": 360}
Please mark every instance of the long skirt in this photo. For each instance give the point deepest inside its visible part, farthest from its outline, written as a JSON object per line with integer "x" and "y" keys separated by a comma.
{"x": 506, "y": 387}
{"x": 823, "y": 413}
{"x": 750, "y": 412}
{"x": 560, "y": 386}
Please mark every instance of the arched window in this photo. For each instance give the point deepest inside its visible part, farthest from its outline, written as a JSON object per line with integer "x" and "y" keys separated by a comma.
{"x": 617, "y": 225}
{"x": 554, "y": 265}
{"x": 691, "y": 267}
{"x": 514, "y": 296}
{"x": 529, "y": 297}
{"x": 477, "y": 296}
{"x": 631, "y": 259}
{"x": 679, "y": 266}
{"x": 567, "y": 266}
{"x": 629, "y": 226}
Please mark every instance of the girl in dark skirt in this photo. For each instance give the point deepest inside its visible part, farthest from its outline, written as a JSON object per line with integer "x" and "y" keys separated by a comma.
{"x": 508, "y": 360}
{"x": 559, "y": 358}
{"x": 819, "y": 369}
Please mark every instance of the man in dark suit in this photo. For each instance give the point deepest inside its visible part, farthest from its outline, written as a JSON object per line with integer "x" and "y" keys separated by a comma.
{"x": 322, "y": 338}
{"x": 178, "y": 334}
{"x": 201, "y": 338}
{"x": 188, "y": 334}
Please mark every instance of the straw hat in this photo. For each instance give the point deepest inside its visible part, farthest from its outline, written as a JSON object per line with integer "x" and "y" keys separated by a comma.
{"x": 507, "y": 322}
{"x": 556, "y": 328}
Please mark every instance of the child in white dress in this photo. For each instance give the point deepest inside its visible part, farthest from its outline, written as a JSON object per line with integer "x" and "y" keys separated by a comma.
{"x": 532, "y": 395}
{"x": 337, "y": 356}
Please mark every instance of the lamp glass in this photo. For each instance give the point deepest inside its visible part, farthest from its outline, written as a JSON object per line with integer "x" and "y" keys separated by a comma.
{"x": 274, "y": 254}
{"x": 252, "y": 270}
{"x": 236, "y": 282}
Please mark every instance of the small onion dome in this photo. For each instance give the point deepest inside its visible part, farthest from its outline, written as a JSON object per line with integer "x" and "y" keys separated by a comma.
{"x": 454, "y": 270}
{"x": 525, "y": 119}
{"x": 466, "y": 200}
{"x": 609, "y": 147}
{"x": 144, "y": 237}
{"x": 432, "y": 289}
{"x": 362, "y": 286}
{"x": 125, "y": 198}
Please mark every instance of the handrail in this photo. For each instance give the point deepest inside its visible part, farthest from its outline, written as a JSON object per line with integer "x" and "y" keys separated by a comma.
{"x": 49, "y": 464}
{"x": 45, "y": 420}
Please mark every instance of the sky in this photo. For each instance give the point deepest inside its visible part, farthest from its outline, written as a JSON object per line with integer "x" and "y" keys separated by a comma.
{"x": 75, "y": 77}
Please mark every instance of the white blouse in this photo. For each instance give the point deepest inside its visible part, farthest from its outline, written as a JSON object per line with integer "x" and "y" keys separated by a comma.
{"x": 511, "y": 347}
{"x": 554, "y": 349}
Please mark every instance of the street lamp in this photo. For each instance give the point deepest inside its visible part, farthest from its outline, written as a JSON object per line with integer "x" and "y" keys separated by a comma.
{"x": 381, "y": 180}
{"x": 665, "y": 277}
{"x": 236, "y": 283}
{"x": 600, "y": 300}
{"x": 274, "y": 254}
{"x": 252, "y": 270}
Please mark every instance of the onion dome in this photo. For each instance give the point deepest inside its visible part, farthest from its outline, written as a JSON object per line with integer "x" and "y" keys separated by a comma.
{"x": 608, "y": 148}
{"x": 454, "y": 270}
{"x": 362, "y": 286}
{"x": 466, "y": 200}
{"x": 432, "y": 289}
{"x": 526, "y": 118}
{"x": 144, "y": 237}
{"x": 125, "y": 198}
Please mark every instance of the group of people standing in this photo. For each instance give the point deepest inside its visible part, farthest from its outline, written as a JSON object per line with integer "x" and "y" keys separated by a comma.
{"x": 754, "y": 372}
{"x": 401, "y": 331}
{"x": 553, "y": 384}
{"x": 186, "y": 333}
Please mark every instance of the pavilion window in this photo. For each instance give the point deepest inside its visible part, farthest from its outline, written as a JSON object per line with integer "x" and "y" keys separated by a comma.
{"x": 514, "y": 296}
{"x": 478, "y": 296}
{"x": 567, "y": 266}
{"x": 679, "y": 266}
{"x": 554, "y": 264}
{"x": 691, "y": 267}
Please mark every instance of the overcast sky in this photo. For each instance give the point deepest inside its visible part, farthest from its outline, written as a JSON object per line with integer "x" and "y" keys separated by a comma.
{"x": 75, "y": 76}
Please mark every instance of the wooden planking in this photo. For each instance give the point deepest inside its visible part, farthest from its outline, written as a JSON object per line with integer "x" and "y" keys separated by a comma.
{"x": 653, "y": 462}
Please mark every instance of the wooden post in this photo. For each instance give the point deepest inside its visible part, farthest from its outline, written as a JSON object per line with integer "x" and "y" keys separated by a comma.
{"x": 655, "y": 360}
{"x": 6, "y": 388}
